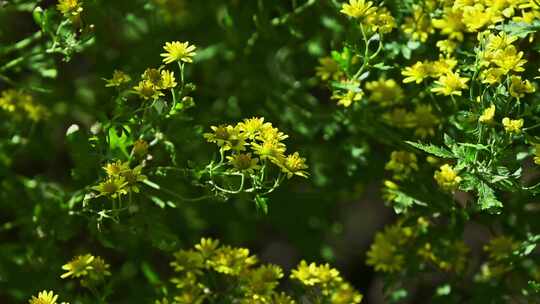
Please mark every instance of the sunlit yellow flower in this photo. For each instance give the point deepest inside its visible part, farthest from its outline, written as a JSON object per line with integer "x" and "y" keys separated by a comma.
{"x": 381, "y": 21}
{"x": 358, "y": 8}
{"x": 147, "y": 90}
{"x": 70, "y": 8}
{"x": 518, "y": 87}
{"x": 293, "y": 164}
{"x": 348, "y": 97}
{"x": 119, "y": 78}
{"x": 253, "y": 126}
{"x": 510, "y": 59}
{"x": 447, "y": 46}
{"x": 314, "y": 274}
{"x": 451, "y": 23}
{"x": 220, "y": 135}
{"x": 178, "y": 51}
{"x": 487, "y": 115}
{"x": 44, "y": 297}
{"x": 79, "y": 266}
{"x": 167, "y": 80}
{"x": 416, "y": 73}
{"x": 269, "y": 149}
{"x": 512, "y": 125}
{"x": 492, "y": 75}
{"x": 450, "y": 84}
{"x": 115, "y": 168}
{"x": 113, "y": 187}
{"x": 476, "y": 17}
{"x": 447, "y": 177}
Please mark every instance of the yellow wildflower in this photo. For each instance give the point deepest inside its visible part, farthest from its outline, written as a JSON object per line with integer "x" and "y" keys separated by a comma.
{"x": 358, "y": 8}
{"x": 487, "y": 115}
{"x": 402, "y": 163}
{"x": 512, "y": 125}
{"x": 518, "y": 87}
{"x": 70, "y": 8}
{"x": 450, "y": 84}
{"x": 78, "y": 267}
{"x": 167, "y": 80}
{"x": 349, "y": 97}
{"x": 416, "y": 73}
{"x": 293, "y": 164}
{"x": 328, "y": 69}
{"x": 447, "y": 46}
{"x": 119, "y": 78}
{"x": 147, "y": 90}
{"x": 447, "y": 178}
{"x": 509, "y": 59}
{"x": 384, "y": 255}
{"x": 476, "y": 17}
{"x": 418, "y": 26}
{"x": 313, "y": 274}
{"x": 424, "y": 121}
{"x": 113, "y": 187}
{"x": 383, "y": 91}
{"x": 178, "y": 51}
{"x": 451, "y": 23}
{"x": 44, "y": 297}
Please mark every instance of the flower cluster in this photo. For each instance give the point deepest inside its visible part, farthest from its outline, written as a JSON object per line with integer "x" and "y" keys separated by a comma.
{"x": 120, "y": 180}
{"x": 238, "y": 277}
{"x": 45, "y": 297}
{"x": 447, "y": 178}
{"x": 89, "y": 269}
{"x": 253, "y": 149}
{"x": 377, "y": 19}
{"x": 22, "y": 105}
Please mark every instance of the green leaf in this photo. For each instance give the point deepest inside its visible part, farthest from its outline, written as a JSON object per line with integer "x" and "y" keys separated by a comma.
{"x": 262, "y": 203}
{"x": 487, "y": 199}
{"x": 432, "y": 149}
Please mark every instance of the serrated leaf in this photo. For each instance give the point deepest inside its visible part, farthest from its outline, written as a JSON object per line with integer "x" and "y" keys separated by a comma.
{"x": 487, "y": 199}
{"x": 432, "y": 149}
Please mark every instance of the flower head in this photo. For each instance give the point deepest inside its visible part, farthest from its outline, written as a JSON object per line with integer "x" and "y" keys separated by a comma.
{"x": 78, "y": 267}
{"x": 447, "y": 177}
{"x": 113, "y": 187}
{"x": 119, "y": 78}
{"x": 293, "y": 164}
{"x": 178, "y": 51}
{"x": 70, "y": 8}
{"x": 44, "y": 297}
{"x": 243, "y": 162}
{"x": 512, "y": 125}
{"x": 518, "y": 87}
{"x": 487, "y": 115}
{"x": 450, "y": 84}
{"x": 358, "y": 8}
{"x": 385, "y": 91}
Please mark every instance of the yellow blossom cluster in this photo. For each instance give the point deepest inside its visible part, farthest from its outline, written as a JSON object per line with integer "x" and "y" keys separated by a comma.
{"x": 264, "y": 142}
{"x": 121, "y": 179}
{"x": 45, "y": 297}
{"x": 22, "y": 105}
{"x": 402, "y": 164}
{"x": 88, "y": 268}
{"x": 447, "y": 178}
{"x": 251, "y": 282}
{"x": 376, "y": 18}
{"x": 154, "y": 82}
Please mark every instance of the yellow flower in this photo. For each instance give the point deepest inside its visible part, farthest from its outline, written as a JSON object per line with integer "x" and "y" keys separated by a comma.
{"x": 447, "y": 178}
{"x": 178, "y": 51}
{"x": 253, "y": 126}
{"x": 358, "y": 8}
{"x": 418, "y": 27}
{"x": 119, "y": 78}
{"x": 512, "y": 125}
{"x": 293, "y": 164}
{"x": 492, "y": 75}
{"x": 231, "y": 261}
{"x": 384, "y": 254}
{"x": 385, "y": 92}
{"x": 518, "y": 87}
{"x": 476, "y": 17}
{"x": 509, "y": 59}
{"x": 44, "y": 297}
{"x": 140, "y": 148}
{"x": 345, "y": 294}
{"x": 133, "y": 177}
{"x": 243, "y": 162}
{"x": 269, "y": 149}
{"x": 313, "y": 274}
{"x": 78, "y": 267}
{"x": 402, "y": 163}
{"x": 399, "y": 118}
{"x": 447, "y": 46}
{"x": 450, "y": 84}
{"x": 487, "y": 115}
{"x": 147, "y": 90}
{"x": 416, "y": 73}
{"x": 70, "y": 7}
{"x": 114, "y": 169}
{"x": 328, "y": 69}
{"x": 537, "y": 154}
{"x": 347, "y": 98}
{"x": 500, "y": 41}
{"x": 207, "y": 247}
{"x": 220, "y": 134}
{"x": 382, "y": 21}
{"x": 451, "y": 23}
{"x": 113, "y": 187}
{"x": 424, "y": 121}
{"x": 167, "y": 80}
